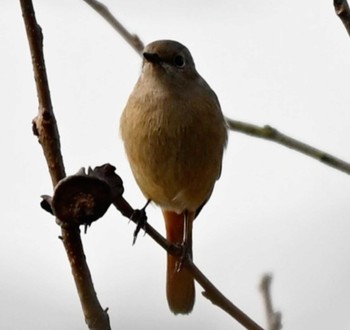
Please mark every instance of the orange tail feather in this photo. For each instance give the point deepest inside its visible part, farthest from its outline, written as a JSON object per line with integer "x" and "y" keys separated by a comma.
{"x": 180, "y": 285}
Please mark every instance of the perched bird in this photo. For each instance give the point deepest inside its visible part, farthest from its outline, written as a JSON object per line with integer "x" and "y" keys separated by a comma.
{"x": 174, "y": 135}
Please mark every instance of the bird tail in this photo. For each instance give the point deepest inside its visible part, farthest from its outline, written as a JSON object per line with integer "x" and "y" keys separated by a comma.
{"x": 180, "y": 284}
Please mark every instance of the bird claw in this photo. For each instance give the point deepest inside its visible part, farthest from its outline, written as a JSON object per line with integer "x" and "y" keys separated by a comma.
{"x": 183, "y": 257}
{"x": 140, "y": 217}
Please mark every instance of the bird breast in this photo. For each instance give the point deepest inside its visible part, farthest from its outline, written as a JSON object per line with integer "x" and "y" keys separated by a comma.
{"x": 174, "y": 143}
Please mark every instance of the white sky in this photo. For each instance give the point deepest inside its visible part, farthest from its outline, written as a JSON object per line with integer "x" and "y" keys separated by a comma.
{"x": 283, "y": 63}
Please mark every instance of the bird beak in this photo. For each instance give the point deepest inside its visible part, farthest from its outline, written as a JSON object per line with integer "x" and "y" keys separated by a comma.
{"x": 152, "y": 57}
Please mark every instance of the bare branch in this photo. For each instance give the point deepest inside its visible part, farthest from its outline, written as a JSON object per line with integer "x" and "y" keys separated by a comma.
{"x": 96, "y": 318}
{"x": 210, "y": 291}
{"x": 132, "y": 39}
{"x": 272, "y": 134}
{"x": 85, "y": 197}
{"x": 273, "y": 318}
{"x": 218, "y": 299}
{"x": 343, "y": 11}
{"x": 45, "y": 128}
{"x": 44, "y": 125}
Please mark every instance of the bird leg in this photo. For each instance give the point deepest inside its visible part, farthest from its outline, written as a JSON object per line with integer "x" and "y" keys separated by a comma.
{"x": 186, "y": 244}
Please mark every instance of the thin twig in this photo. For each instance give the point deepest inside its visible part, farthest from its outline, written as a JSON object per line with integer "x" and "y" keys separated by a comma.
{"x": 218, "y": 299}
{"x": 272, "y": 134}
{"x": 274, "y": 319}
{"x": 132, "y": 39}
{"x": 45, "y": 128}
{"x": 343, "y": 11}
{"x": 210, "y": 291}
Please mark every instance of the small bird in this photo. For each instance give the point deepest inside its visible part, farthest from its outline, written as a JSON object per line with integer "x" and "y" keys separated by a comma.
{"x": 174, "y": 135}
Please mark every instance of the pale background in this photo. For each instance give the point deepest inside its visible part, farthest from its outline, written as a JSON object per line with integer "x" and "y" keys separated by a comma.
{"x": 283, "y": 63}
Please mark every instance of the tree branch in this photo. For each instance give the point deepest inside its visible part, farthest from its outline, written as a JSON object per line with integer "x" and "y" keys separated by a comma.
{"x": 85, "y": 197}
{"x": 132, "y": 39}
{"x": 272, "y": 134}
{"x": 218, "y": 299}
{"x": 343, "y": 11}
{"x": 210, "y": 291}
{"x": 45, "y": 127}
{"x": 273, "y": 318}
{"x": 44, "y": 124}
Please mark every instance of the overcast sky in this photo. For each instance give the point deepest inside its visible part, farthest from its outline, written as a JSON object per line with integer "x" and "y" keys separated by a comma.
{"x": 282, "y": 63}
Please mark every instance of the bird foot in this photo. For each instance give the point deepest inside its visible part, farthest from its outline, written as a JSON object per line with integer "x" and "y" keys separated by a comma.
{"x": 185, "y": 254}
{"x": 140, "y": 217}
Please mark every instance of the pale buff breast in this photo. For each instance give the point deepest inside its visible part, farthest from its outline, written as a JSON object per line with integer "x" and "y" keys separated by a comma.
{"x": 174, "y": 146}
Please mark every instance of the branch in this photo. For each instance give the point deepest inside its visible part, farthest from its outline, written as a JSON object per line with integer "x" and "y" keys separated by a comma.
{"x": 45, "y": 127}
{"x": 132, "y": 39}
{"x": 218, "y": 299}
{"x": 343, "y": 11}
{"x": 210, "y": 291}
{"x": 273, "y": 318}
{"x": 272, "y": 134}
{"x": 44, "y": 124}
{"x": 84, "y": 197}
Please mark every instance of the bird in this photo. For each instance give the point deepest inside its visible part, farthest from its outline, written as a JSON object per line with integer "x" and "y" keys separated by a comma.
{"x": 174, "y": 136}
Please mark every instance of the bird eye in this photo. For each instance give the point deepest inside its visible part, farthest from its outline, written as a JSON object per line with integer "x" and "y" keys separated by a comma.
{"x": 179, "y": 61}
